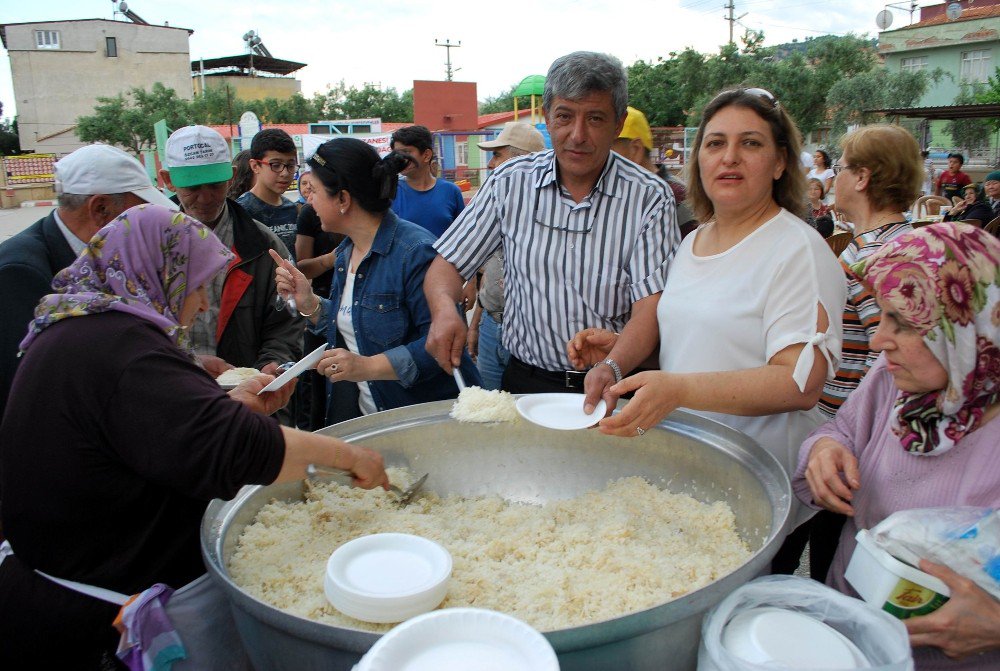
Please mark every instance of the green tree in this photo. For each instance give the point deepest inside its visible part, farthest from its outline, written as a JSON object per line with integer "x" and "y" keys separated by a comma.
{"x": 504, "y": 102}
{"x": 343, "y": 102}
{"x": 990, "y": 94}
{"x": 127, "y": 119}
{"x": 849, "y": 98}
{"x": 969, "y": 133}
{"x": 10, "y": 143}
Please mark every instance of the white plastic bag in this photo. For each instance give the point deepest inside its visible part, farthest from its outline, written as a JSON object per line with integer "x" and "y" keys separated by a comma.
{"x": 881, "y": 637}
{"x": 965, "y": 539}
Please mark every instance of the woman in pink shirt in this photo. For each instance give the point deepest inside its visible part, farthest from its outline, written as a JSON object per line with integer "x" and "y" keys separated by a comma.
{"x": 922, "y": 430}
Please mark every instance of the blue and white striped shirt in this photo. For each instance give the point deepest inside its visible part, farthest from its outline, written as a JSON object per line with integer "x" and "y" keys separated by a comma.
{"x": 567, "y": 265}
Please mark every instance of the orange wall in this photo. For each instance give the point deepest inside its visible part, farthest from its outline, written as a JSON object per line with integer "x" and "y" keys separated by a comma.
{"x": 445, "y": 105}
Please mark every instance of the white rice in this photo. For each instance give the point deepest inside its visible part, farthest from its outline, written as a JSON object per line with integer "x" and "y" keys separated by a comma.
{"x": 565, "y": 564}
{"x": 234, "y": 376}
{"x": 476, "y": 404}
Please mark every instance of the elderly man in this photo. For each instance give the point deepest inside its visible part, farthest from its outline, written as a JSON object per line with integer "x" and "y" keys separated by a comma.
{"x": 94, "y": 185}
{"x": 241, "y": 327}
{"x": 587, "y": 238}
{"x": 484, "y": 337}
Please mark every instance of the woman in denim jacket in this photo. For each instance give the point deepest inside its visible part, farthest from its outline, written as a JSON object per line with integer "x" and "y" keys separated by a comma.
{"x": 376, "y": 318}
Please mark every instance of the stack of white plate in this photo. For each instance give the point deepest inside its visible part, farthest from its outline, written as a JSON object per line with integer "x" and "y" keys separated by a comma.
{"x": 387, "y": 577}
{"x": 459, "y": 639}
{"x": 787, "y": 639}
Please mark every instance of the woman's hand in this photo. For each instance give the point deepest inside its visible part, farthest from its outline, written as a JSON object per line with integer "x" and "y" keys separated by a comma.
{"x": 291, "y": 282}
{"x": 590, "y": 346}
{"x": 340, "y": 365}
{"x": 833, "y": 477}
{"x": 967, "y": 624}
{"x": 655, "y": 398}
{"x": 214, "y": 365}
{"x": 267, "y": 403}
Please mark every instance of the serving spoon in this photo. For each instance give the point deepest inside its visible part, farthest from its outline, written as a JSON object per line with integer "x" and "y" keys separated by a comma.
{"x": 404, "y": 496}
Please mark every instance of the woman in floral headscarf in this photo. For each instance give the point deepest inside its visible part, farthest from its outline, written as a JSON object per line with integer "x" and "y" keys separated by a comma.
{"x": 922, "y": 430}
{"x": 113, "y": 442}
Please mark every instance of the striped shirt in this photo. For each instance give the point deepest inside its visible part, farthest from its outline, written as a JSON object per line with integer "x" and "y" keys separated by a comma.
{"x": 567, "y": 265}
{"x": 861, "y": 318}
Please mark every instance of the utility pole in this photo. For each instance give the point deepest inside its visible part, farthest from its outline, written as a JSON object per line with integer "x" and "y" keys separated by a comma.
{"x": 731, "y": 18}
{"x": 448, "y": 46}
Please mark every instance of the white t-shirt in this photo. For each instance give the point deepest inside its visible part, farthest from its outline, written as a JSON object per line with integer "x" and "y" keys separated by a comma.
{"x": 737, "y": 309}
{"x": 345, "y": 325}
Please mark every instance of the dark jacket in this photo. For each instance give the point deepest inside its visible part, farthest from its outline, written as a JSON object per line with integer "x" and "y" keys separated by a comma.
{"x": 979, "y": 211}
{"x": 390, "y": 317}
{"x": 251, "y": 332}
{"x": 28, "y": 262}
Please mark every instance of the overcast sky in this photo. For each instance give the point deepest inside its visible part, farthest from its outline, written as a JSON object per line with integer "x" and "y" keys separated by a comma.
{"x": 391, "y": 42}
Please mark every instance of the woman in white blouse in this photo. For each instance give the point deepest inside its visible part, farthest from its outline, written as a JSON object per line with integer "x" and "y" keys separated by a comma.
{"x": 750, "y": 318}
{"x": 822, "y": 170}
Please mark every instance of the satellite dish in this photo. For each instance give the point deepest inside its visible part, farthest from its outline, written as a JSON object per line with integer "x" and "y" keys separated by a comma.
{"x": 954, "y": 10}
{"x": 883, "y": 19}
{"x": 122, "y": 7}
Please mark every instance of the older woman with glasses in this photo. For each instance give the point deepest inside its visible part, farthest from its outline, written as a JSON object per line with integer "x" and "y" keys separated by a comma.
{"x": 922, "y": 428}
{"x": 749, "y": 321}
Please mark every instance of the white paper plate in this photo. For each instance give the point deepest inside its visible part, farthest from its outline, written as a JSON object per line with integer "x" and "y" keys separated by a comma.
{"x": 559, "y": 411}
{"x": 232, "y": 385}
{"x": 387, "y": 577}
{"x": 307, "y": 362}
{"x": 459, "y": 639}
{"x": 789, "y": 639}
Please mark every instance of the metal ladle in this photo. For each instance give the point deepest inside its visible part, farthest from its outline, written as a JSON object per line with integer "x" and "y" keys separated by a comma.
{"x": 404, "y": 496}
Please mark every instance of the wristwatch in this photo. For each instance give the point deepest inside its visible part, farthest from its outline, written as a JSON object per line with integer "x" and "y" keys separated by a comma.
{"x": 615, "y": 368}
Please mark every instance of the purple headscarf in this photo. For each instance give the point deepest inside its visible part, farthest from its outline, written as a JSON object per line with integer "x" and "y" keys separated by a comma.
{"x": 145, "y": 263}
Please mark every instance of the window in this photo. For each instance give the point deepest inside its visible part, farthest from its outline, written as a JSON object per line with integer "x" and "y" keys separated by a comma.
{"x": 977, "y": 65}
{"x": 111, "y": 44}
{"x": 915, "y": 64}
{"x": 47, "y": 39}
{"x": 462, "y": 153}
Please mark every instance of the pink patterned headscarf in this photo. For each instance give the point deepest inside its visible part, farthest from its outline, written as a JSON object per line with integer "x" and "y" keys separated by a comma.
{"x": 144, "y": 263}
{"x": 944, "y": 281}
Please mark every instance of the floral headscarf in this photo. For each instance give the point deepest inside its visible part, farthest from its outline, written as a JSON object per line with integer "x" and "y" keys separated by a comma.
{"x": 944, "y": 281}
{"x": 145, "y": 263}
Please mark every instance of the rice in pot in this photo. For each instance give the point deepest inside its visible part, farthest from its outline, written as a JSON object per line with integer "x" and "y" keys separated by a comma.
{"x": 476, "y": 404}
{"x": 567, "y": 563}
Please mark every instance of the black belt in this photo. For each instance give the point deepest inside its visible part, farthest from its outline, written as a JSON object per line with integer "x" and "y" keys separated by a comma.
{"x": 572, "y": 379}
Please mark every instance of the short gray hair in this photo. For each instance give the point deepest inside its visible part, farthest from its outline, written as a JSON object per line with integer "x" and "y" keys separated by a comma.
{"x": 513, "y": 151}
{"x": 583, "y": 72}
{"x": 74, "y": 201}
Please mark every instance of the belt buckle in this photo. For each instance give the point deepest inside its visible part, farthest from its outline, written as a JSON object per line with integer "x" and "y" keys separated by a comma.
{"x": 574, "y": 379}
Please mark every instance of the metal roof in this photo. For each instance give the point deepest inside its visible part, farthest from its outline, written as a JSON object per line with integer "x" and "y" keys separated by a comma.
{"x": 275, "y": 66}
{"x": 948, "y": 112}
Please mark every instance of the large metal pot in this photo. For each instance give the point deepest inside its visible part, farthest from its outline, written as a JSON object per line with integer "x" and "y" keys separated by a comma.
{"x": 523, "y": 462}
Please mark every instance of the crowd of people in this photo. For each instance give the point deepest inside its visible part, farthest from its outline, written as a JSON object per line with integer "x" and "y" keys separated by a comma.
{"x": 582, "y": 268}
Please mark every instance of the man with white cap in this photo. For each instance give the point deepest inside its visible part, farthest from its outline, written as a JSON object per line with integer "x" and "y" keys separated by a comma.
{"x": 484, "y": 337}
{"x": 242, "y": 326}
{"x": 94, "y": 184}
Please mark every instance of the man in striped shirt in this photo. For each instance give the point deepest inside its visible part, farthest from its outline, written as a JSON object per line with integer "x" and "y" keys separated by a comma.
{"x": 587, "y": 238}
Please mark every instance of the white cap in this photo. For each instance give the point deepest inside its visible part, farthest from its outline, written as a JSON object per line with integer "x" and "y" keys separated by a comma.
{"x": 198, "y": 155}
{"x": 100, "y": 169}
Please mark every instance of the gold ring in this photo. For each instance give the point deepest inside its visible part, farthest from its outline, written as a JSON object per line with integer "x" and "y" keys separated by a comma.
{"x": 641, "y": 431}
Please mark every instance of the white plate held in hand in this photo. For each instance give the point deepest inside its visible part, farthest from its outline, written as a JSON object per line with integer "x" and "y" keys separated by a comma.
{"x": 559, "y": 411}
{"x": 308, "y": 361}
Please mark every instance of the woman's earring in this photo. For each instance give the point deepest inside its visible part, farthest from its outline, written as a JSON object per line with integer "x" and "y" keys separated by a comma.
{"x": 342, "y": 210}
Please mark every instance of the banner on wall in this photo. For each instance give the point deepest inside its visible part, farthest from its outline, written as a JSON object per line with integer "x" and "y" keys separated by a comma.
{"x": 378, "y": 140}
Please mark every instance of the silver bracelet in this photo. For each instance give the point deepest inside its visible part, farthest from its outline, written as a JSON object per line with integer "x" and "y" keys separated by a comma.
{"x": 319, "y": 304}
{"x": 615, "y": 368}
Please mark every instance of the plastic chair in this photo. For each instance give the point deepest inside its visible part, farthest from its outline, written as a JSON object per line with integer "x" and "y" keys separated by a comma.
{"x": 972, "y": 222}
{"x": 838, "y": 242}
{"x": 926, "y": 206}
{"x": 993, "y": 227}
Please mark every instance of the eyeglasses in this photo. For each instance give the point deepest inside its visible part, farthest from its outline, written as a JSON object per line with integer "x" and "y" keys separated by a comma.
{"x": 838, "y": 168}
{"x": 279, "y": 167}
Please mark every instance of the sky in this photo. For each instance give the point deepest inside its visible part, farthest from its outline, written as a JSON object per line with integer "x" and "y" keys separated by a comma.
{"x": 390, "y": 43}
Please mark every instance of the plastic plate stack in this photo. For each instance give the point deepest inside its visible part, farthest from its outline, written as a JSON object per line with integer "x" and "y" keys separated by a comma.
{"x": 786, "y": 639}
{"x": 387, "y": 578}
{"x": 458, "y": 639}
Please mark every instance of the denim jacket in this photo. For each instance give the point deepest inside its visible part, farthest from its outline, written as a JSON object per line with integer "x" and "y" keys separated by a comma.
{"x": 391, "y": 316}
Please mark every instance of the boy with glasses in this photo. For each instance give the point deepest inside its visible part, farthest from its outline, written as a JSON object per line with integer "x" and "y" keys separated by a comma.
{"x": 273, "y": 161}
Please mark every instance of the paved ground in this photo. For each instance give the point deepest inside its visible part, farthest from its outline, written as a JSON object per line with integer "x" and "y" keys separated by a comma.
{"x": 16, "y": 219}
